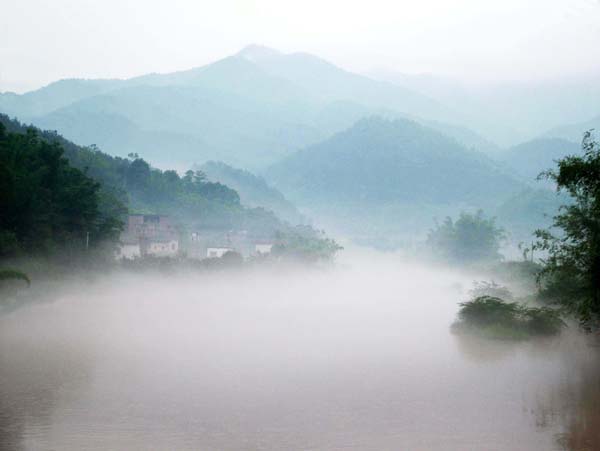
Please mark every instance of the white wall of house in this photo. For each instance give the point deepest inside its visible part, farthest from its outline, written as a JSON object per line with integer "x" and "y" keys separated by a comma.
{"x": 263, "y": 248}
{"x": 163, "y": 248}
{"x": 217, "y": 252}
{"x": 128, "y": 251}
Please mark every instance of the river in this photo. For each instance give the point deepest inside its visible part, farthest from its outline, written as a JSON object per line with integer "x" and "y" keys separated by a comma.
{"x": 360, "y": 357}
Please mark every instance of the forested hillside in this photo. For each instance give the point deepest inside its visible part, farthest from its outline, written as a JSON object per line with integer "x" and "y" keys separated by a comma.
{"x": 378, "y": 161}
{"x": 384, "y": 181}
{"x": 47, "y": 205}
{"x": 248, "y": 110}
{"x": 254, "y": 191}
{"x": 71, "y": 190}
{"x": 512, "y": 111}
{"x": 527, "y": 210}
{"x": 531, "y": 158}
{"x": 574, "y": 132}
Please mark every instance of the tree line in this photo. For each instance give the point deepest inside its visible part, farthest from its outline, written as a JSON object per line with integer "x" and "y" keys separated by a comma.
{"x": 45, "y": 203}
{"x": 57, "y": 197}
{"x": 568, "y": 273}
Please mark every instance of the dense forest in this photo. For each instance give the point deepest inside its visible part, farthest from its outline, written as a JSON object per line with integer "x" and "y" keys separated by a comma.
{"x": 46, "y": 203}
{"x": 379, "y": 161}
{"x": 571, "y": 268}
{"x": 254, "y": 191}
{"x": 385, "y": 235}
{"x": 145, "y": 189}
{"x": 58, "y": 194}
{"x": 471, "y": 239}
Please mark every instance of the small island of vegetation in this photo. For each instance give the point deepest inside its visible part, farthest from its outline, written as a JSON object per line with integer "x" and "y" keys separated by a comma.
{"x": 567, "y": 278}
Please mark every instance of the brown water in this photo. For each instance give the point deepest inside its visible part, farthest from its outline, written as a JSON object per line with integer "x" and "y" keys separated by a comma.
{"x": 360, "y": 358}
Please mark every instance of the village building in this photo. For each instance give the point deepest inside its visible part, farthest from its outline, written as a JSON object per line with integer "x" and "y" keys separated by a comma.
{"x": 217, "y": 252}
{"x": 210, "y": 243}
{"x": 148, "y": 235}
{"x": 163, "y": 248}
{"x": 263, "y": 248}
{"x": 128, "y": 249}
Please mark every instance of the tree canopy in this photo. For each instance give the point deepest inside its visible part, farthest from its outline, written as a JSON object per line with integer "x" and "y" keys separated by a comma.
{"x": 571, "y": 274}
{"x": 305, "y": 244}
{"x": 45, "y": 203}
{"x": 55, "y": 195}
{"x": 471, "y": 238}
{"x": 135, "y": 185}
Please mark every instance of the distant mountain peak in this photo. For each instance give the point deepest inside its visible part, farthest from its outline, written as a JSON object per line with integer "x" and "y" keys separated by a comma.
{"x": 254, "y": 52}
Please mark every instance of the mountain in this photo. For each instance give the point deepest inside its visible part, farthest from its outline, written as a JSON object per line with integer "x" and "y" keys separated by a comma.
{"x": 134, "y": 185}
{"x": 54, "y": 96}
{"x": 253, "y": 190}
{"x": 248, "y": 110}
{"x": 531, "y": 158}
{"x": 181, "y": 125}
{"x": 378, "y": 161}
{"x": 382, "y": 182}
{"x": 528, "y": 210}
{"x": 330, "y": 83}
{"x": 574, "y": 132}
{"x": 57, "y": 198}
{"x": 510, "y": 112}
{"x": 463, "y": 135}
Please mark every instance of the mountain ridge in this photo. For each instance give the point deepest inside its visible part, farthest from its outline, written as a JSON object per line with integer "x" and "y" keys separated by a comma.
{"x": 380, "y": 160}
{"x": 246, "y": 113}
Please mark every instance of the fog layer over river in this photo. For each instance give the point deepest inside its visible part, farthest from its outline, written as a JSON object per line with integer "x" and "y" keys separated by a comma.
{"x": 360, "y": 357}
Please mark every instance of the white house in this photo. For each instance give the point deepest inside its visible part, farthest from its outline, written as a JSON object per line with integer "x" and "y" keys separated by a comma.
{"x": 166, "y": 248}
{"x": 217, "y": 252}
{"x": 148, "y": 235}
{"x": 263, "y": 248}
{"x": 129, "y": 251}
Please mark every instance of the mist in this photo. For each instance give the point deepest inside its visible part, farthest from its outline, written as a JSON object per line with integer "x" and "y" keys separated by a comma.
{"x": 462, "y": 39}
{"x": 271, "y": 225}
{"x": 359, "y": 356}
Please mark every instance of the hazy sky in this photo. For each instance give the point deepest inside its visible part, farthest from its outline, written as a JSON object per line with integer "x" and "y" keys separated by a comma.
{"x": 42, "y": 41}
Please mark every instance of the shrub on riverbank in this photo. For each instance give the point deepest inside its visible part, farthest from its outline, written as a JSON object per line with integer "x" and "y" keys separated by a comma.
{"x": 495, "y": 318}
{"x": 13, "y": 274}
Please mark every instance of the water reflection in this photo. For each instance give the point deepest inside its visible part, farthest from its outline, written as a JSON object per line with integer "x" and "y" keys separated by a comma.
{"x": 573, "y": 403}
{"x": 352, "y": 359}
{"x": 36, "y": 372}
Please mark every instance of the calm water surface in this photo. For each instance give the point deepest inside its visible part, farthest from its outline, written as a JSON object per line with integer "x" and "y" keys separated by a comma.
{"x": 358, "y": 358}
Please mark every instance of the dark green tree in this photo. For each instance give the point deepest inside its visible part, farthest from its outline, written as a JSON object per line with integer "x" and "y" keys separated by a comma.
{"x": 571, "y": 274}
{"x": 13, "y": 274}
{"x": 138, "y": 174}
{"x": 124, "y": 184}
{"x": 45, "y": 203}
{"x": 472, "y": 238}
{"x": 303, "y": 243}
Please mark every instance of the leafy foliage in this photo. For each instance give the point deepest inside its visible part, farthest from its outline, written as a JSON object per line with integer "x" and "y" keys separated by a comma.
{"x": 571, "y": 274}
{"x": 253, "y": 190}
{"x": 303, "y": 243}
{"x": 114, "y": 186}
{"x": 471, "y": 238}
{"x": 45, "y": 203}
{"x": 13, "y": 274}
{"x": 496, "y": 318}
{"x": 131, "y": 183}
{"x": 486, "y": 310}
{"x": 232, "y": 259}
